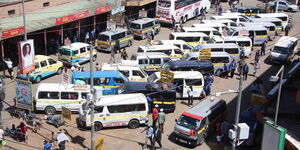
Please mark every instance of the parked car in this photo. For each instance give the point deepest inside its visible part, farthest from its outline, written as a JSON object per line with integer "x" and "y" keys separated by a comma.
{"x": 284, "y": 5}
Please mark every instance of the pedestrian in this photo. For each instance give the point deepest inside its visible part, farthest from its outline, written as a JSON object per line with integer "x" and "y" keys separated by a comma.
{"x": 201, "y": 14}
{"x": 72, "y": 68}
{"x": 47, "y": 145}
{"x": 149, "y": 101}
{"x": 204, "y": 13}
{"x": 157, "y": 136}
{"x": 173, "y": 22}
{"x": 161, "y": 120}
{"x": 61, "y": 140}
{"x": 256, "y": 67}
{"x": 226, "y": 70}
{"x": 124, "y": 54}
{"x": 230, "y": 3}
{"x": 93, "y": 36}
{"x": 245, "y": 71}
{"x": 9, "y": 65}
{"x": 257, "y": 55}
{"x": 287, "y": 28}
{"x": 75, "y": 39}
{"x": 152, "y": 33}
{"x": 149, "y": 135}
{"x": 190, "y": 95}
{"x": 24, "y": 129}
{"x": 209, "y": 81}
{"x": 232, "y": 67}
{"x": 87, "y": 37}
{"x": 112, "y": 55}
{"x": 155, "y": 114}
{"x": 97, "y": 67}
{"x": 220, "y": 10}
{"x": 263, "y": 48}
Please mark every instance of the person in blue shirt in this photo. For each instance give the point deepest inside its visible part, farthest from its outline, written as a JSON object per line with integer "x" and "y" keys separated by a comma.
{"x": 150, "y": 101}
{"x": 245, "y": 71}
{"x": 47, "y": 145}
{"x": 263, "y": 48}
{"x": 226, "y": 70}
{"x": 232, "y": 67}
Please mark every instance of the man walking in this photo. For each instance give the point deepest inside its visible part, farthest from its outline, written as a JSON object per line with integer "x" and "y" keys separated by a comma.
{"x": 161, "y": 120}
{"x": 232, "y": 67}
{"x": 263, "y": 48}
{"x": 9, "y": 67}
{"x": 256, "y": 66}
{"x": 112, "y": 55}
{"x": 155, "y": 115}
{"x": 157, "y": 136}
{"x": 226, "y": 70}
{"x": 190, "y": 95}
{"x": 62, "y": 139}
{"x": 124, "y": 54}
{"x": 149, "y": 135}
{"x": 245, "y": 71}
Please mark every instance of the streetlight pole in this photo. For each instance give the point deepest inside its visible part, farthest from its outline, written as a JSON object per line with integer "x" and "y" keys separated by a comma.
{"x": 279, "y": 94}
{"x": 24, "y": 22}
{"x": 92, "y": 102}
{"x": 237, "y": 113}
{"x": 276, "y": 9}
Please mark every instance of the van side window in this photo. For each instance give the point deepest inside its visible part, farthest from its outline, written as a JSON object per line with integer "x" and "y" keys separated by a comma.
{"x": 37, "y": 65}
{"x": 84, "y": 95}
{"x": 48, "y": 95}
{"x": 178, "y": 51}
{"x": 167, "y": 52}
{"x": 51, "y": 61}
{"x": 125, "y": 72}
{"x": 195, "y": 82}
{"x": 147, "y": 25}
{"x": 82, "y": 50}
{"x": 119, "y": 80}
{"x": 98, "y": 109}
{"x": 137, "y": 73}
{"x": 186, "y": 47}
{"x": 216, "y": 33}
{"x": 69, "y": 95}
{"x": 143, "y": 61}
{"x": 43, "y": 63}
{"x": 217, "y": 49}
{"x": 261, "y": 32}
{"x": 205, "y": 32}
{"x": 155, "y": 61}
{"x": 167, "y": 60}
{"x": 89, "y": 48}
{"x": 126, "y": 108}
{"x": 101, "y": 81}
{"x": 75, "y": 52}
{"x": 219, "y": 59}
{"x": 203, "y": 123}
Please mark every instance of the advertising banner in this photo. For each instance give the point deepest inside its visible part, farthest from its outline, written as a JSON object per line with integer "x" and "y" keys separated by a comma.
{"x": 205, "y": 54}
{"x": 72, "y": 17}
{"x": 26, "y": 56}
{"x": 102, "y": 9}
{"x": 24, "y": 97}
{"x": 12, "y": 32}
{"x": 166, "y": 76}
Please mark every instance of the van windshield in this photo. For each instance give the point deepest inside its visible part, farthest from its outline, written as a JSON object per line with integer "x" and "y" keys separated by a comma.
{"x": 232, "y": 50}
{"x": 244, "y": 43}
{"x": 188, "y": 122}
{"x": 281, "y": 50}
{"x": 185, "y": 57}
{"x": 135, "y": 26}
{"x": 230, "y": 32}
{"x": 103, "y": 37}
{"x": 65, "y": 51}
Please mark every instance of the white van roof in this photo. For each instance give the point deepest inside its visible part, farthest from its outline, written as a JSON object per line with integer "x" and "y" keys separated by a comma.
{"x": 122, "y": 99}
{"x": 159, "y": 47}
{"x": 197, "y": 29}
{"x": 119, "y": 66}
{"x": 259, "y": 23}
{"x": 203, "y": 109}
{"x": 209, "y": 25}
{"x": 236, "y": 38}
{"x": 168, "y": 42}
{"x": 61, "y": 87}
{"x": 151, "y": 55}
{"x": 212, "y": 54}
{"x": 184, "y": 34}
{"x": 76, "y": 45}
{"x": 266, "y": 15}
{"x": 217, "y": 21}
{"x": 184, "y": 74}
{"x": 268, "y": 19}
{"x": 225, "y": 16}
{"x": 250, "y": 28}
{"x": 285, "y": 41}
{"x": 221, "y": 45}
{"x": 143, "y": 20}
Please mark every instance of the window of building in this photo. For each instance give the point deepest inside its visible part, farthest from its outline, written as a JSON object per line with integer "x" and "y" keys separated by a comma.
{"x": 46, "y": 4}
{"x": 11, "y": 12}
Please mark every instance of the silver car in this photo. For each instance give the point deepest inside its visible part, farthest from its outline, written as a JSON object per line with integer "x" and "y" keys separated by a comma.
{"x": 284, "y": 5}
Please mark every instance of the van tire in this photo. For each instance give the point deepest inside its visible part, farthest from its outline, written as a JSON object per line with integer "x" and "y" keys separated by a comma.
{"x": 98, "y": 126}
{"x": 129, "y": 43}
{"x": 38, "y": 79}
{"x": 185, "y": 19}
{"x": 290, "y": 10}
{"x": 218, "y": 72}
{"x": 49, "y": 110}
{"x": 181, "y": 20}
{"x": 94, "y": 58}
{"x": 133, "y": 124}
{"x": 59, "y": 71}
{"x": 201, "y": 140}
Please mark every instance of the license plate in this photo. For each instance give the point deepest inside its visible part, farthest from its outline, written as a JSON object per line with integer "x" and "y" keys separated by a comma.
{"x": 183, "y": 141}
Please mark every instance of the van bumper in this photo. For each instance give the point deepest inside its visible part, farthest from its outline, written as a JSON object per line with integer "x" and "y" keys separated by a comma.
{"x": 179, "y": 137}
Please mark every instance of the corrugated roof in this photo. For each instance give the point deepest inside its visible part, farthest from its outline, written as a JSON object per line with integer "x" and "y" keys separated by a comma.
{"x": 47, "y": 18}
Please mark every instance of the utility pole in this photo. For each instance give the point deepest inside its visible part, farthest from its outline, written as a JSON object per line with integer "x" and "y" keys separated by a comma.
{"x": 279, "y": 94}
{"x": 24, "y": 22}
{"x": 92, "y": 106}
{"x": 237, "y": 113}
{"x": 276, "y": 9}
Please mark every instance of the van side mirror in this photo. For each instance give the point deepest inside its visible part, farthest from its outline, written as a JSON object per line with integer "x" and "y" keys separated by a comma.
{"x": 176, "y": 120}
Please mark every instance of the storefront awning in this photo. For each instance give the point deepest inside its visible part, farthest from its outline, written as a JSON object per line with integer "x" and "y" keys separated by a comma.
{"x": 51, "y": 17}
{"x": 137, "y": 2}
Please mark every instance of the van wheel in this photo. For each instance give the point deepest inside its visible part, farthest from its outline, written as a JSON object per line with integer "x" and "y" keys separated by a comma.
{"x": 133, "y": 124}
{"x": 50, "y": 110}
{"x": 200, "y": 141}
{"x": 181, "y": 20}
{"x": 38, "y": 79}
{"x": 185, "y": 19}
{"x": 59, "y": 71}
{"x": 98, "y": 126}
{"x": 94, "y": 58}
{"x": 196, "y": 13}
{"x": 129, "y": 43}
{"x": 218, "y": 72}
{"x": 290, "y": 10}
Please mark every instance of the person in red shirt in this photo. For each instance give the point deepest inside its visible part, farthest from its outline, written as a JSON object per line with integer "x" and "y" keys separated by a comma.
{"x": 155, "y": 115}
{"x": 23, "y": 128}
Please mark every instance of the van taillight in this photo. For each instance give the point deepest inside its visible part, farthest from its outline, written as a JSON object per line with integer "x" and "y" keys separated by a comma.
{"x": 192, "y": 133}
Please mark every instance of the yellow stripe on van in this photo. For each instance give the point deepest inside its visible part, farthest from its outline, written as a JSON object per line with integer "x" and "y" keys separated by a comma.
{"x": 176, "y": 56}
{"x": 250, "y": 14}
{"x": 218, "y": 64}
{"x": 147, "y": 30}
{"x": 204, "y": 128}
{"x": 126, "y": 39}
{"x": 111, "y": 86}
{"x": 234, "y": 54}
{"x": 284, "y": 21}
{"x": 279, "y": 28}
{"x": 150, "y": 67}
{"x": 261, "y": 36}
{"x": 248, "y": 47}
{"x": 161, "y": 102}
{"x": 143, "y": 79}
{"x": 169, "y": 102}
{"x": 272, "y": 31}
{"x": 157, "y": 102}
{"x": 194, "y": 86}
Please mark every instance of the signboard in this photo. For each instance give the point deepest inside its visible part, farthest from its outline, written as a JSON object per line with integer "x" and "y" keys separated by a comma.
{"x": 118, "y": 10}
{"x": 166, "y": 76}
{"x": 73, "y": 17}
{"x": 99, "y": 144}
{"x": 111, "y": 25}
{"x": 81, "y": 87}
{"x": 205, "y": 54}
{"x": 24, "y": 97}
{"x": 142, "y": 13}
{"x": 273, "y": 137}
{"x": 26, "y": 56}
{"x": 102, "y": 9}
{"x": 66, "y": 113}
{"x": 12, "y": 32}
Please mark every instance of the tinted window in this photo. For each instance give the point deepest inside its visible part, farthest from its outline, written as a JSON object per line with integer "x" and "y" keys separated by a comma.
{"x": 119, "y": 80}
{"x": 102, "y": 37}
{"x": 101, "y": 81}
{"x": 84, "y": 95}
{"x": 125, "y": 72}
{"x": 219, "y": 59}
{"x": 98, "y": 109}
{"x": 69, "y": 95}
{"x": 178, "y": 51}
{"x": 143, "y": 61}
{"x": 126, "y": 108}
{"x": 75, "y": 52}
{"x": 37, "y": 65}
{"x": 135, "y": 26}
{"x": 216, "y": 49}
{"x": 193, "y": 82}
{"x": 147, "y": 25}
{"x": 137, "y": 73}
{"x": 43, "y": 63}
{"x": 51, "y": 61}
{"x": 155, "y": 61}
{"x": 261, "y": 32}
{"x": 232, "y": 50}
{"x": 82, "y": 50}
{"x": 48, "y": 95}
{"x": 244, "y": 43}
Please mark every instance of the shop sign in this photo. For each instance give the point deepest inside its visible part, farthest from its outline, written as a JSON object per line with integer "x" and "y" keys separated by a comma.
{"x": 166, "y": 76}
{"x": 142, "y": 14}
{"x": 118, "y": 10}
{"x": 73, "y": 17}
{"x": 102, "y": 9}
{"x": 205, "y": 54}
{"x": 12, "y": 32}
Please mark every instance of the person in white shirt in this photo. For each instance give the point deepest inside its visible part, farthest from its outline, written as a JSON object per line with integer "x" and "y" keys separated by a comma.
{"x": 61, "y": 140}
{"x": 9, "y": 67}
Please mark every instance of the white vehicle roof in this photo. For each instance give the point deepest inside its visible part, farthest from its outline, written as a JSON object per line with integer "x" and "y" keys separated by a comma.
{"x": 185, "y": 34}
{"x": 221, "y": 45}
{"x": 204, "y": 108}
{"x": 218, "y": 21}
{"x": 231, "y": 13}
{"x": 120, "y": 66}
{"x": 225, "y": 17}
{"x": 122, "y": 99}
{"x": 266, "y": 15}
{"x": 285, "y": 41}
{"x": 197, "y": 29}
{"x": 61, "y": 87}
{"x": 269, "y": 19}
{"x": 250, "y": 28}
{"x": 236, "y": 38}
{"x": 184, "y": 74}
{"x": 76, "y": 45}
{"x": 168, "y": 42}
{"x": 218, "y": 38}
{"x": 209, "y": 25}
{"x": 151, "y": 55}
{"x": 259, "y": 23}
{"x": 159, "y": 47}
{"x": 212, "y": 54}
{"x": 143, "y": 20}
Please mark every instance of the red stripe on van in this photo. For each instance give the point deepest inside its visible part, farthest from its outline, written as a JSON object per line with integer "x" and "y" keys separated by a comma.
{"x": 192, "y": 115}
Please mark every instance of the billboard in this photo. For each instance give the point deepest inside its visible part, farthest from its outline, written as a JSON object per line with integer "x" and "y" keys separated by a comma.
{"x": 26, "y": 56}
{"x": 273, "y": 137}
{"x": 24, "y": 97}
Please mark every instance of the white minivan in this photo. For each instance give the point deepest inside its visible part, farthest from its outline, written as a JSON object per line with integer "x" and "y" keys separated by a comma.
{"x": 283, "y": 51}
{"x": 184, "y": 46}
{"x": 116, "y": 110}
{"x": 173, "y": 51}
{"x": 244, "y": 42}
{"x": 210, "y": 31}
